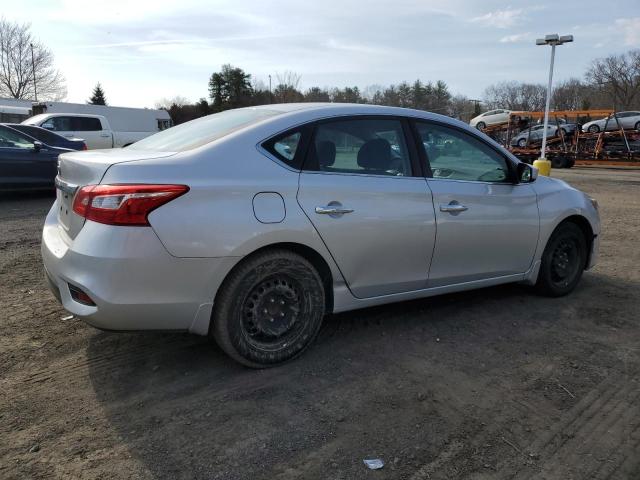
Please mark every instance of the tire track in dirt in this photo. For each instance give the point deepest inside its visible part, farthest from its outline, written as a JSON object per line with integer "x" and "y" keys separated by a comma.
{"x": 582, "y": 428}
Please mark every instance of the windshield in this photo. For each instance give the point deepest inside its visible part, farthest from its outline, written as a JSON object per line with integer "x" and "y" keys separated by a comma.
{"x": 202, "y": 130}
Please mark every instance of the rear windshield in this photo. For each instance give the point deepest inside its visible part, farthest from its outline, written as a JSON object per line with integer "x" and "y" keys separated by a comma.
{"x": 202, "y": 130}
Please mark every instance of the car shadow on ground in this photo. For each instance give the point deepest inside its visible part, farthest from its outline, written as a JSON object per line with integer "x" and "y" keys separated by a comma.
{"x": 185, "y": 410}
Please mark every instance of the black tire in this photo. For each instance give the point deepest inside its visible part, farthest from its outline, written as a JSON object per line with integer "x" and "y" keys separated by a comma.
{"x": 481, "y": 125}
{"x": 563, "y": 261}
{"x": 559, "y": 162}
{"x": 522, "y": 143}
{"x": 269, "y": 309}
{"x": 570, "y": 163}
{"x": 593, "y": 129}
{"x": 637, "y": 127}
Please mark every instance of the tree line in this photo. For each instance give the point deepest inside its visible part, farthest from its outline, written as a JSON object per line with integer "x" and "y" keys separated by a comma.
{"x": 609, "y": 83}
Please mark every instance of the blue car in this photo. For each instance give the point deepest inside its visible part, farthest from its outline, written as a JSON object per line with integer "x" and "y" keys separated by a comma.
{"x": 49, "y": 138}
{"x": 26, "y": 163}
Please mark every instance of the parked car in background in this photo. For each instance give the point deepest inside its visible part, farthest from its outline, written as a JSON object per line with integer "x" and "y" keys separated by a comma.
{"x": 534, "y": 136}
{"x": 94, "y": 129}
{"x": 492, "y": 117}
{"x": 26, "y": 163}
{"x": 48, "y": 137}
{"x": 628, "y": 120}
{"x": 215, "y": 228}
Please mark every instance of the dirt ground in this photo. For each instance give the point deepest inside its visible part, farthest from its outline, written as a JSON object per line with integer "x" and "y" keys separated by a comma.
{"x": 497, "y": 383}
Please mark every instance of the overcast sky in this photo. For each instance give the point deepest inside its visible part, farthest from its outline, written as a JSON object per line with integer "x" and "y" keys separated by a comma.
{"x": 142, "y": 50}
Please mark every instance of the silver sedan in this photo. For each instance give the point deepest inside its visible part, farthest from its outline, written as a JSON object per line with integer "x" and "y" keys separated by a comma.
{"x": 251, "y": 225}
{"x": 626, "y": 120}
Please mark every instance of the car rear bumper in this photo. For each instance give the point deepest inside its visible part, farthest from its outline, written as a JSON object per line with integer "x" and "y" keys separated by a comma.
{"x": 132, "y": 279}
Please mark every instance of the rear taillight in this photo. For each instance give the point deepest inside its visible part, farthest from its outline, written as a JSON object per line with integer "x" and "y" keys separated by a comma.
{"x": 84, "y": 146}
{"x": 123, "y": 204}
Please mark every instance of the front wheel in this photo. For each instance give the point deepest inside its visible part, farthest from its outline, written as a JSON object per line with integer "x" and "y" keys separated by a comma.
{"x": 563, "y": 261}
{"x": 638, "y": 126}
{"x": 593, "y": 129}
{"x": 269, "y": 309}
{"x": 481, "y": 126}
{"x": 522, "y": 143}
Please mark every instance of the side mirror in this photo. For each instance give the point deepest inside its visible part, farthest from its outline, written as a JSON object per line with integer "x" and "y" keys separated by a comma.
{"x": 526, "y": 173}
{"x": 37, "y": 146}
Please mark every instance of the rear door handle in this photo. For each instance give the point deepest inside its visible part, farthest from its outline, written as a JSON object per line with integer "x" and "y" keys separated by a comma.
{"x": 331, "y": 210}
{"x": 453, "y": 208}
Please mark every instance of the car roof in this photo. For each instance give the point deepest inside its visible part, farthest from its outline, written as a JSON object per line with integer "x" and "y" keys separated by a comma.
{"x": 328, "y": 109}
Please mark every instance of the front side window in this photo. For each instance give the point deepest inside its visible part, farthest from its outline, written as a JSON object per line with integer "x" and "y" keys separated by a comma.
{"x": 12, "y": 139}
{"x": 455, "y": 155}
{"x": 360, "y": 146}
{"x": 58, "y": 124}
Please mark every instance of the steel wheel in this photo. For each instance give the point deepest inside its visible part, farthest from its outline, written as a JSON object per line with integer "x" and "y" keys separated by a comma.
{"x": 565, "y": 262}
{"x": 271, "y": 313}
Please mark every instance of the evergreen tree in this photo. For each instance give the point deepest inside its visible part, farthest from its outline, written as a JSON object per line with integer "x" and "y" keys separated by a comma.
{"x": 97, "y": 98}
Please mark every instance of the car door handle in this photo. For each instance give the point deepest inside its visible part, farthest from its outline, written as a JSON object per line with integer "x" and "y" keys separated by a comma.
{"x": 453, "y": 208}
{"x": 333, "y": 210}
{"x": 105, "y": 135}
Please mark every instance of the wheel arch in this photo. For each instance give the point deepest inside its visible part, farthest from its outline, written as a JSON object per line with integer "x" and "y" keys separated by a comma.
{"x": 308, "y": 253}
{"x": 585, "y": 226}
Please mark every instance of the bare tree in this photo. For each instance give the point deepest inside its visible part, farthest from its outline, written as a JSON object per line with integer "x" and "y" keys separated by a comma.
{"x": 286, "y": 90}
{"x": 166, "y": 103}
{"x": 515, "y": 96}
{"x": 18, "y": 63}
{"x": 619, "y": 77}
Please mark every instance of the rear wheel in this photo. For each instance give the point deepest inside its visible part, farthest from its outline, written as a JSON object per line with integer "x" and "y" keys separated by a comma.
{"x": 269, "y": 309}
{"x": 563, "y": 261}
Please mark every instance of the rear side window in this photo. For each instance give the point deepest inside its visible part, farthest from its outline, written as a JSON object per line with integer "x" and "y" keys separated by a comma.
{"x": 360, "y": 146}
{"x": 86, "y": 124}
{"x": 44, "y": 136}
{"x": 286, "y": 147}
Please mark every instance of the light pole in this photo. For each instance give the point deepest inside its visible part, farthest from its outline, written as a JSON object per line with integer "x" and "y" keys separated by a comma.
{"x": 33, "y": 69}
{"x": 553, "y": 40}
{"x": 270, "y": 95}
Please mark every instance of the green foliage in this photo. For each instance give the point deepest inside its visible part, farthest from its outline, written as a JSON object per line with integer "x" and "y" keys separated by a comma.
{"x": 230, "y": 88}
{"x": 97, "y": 97}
